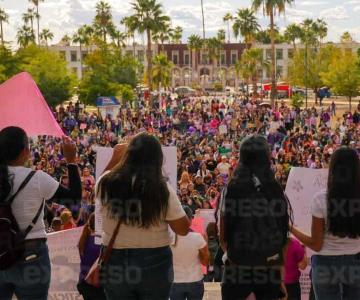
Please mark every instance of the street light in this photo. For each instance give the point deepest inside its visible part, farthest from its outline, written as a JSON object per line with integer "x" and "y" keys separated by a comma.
{"x": 306, "y": 74}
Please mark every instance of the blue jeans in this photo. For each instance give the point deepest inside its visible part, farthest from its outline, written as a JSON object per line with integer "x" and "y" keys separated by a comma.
{"x": 28, "y": 280}
{"x": 187, "y": 291}
{"x": 138, "y": 274}
{"x": 336, "y": 277}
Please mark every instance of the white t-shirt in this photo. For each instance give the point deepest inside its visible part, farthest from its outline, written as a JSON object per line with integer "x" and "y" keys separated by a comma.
{"x": 333, "y": 245}
{"x": 224, "y": 168}
{"x": 186, "y": 261}
{"x": 134, "y": 237}
{"x": 27, "y": 203}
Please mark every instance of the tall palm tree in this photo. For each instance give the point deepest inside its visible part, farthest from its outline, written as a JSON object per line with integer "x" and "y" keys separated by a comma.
{"x": 271, "y": 8}
{"x": 161, "y": 71}
{"x": 195, "y": 44}
{"x": 177, "y": 35}
{"x": 246, "y": 25}
{"x": 164, "y": 34}
{"x": 228, "y": 18}
{"x": 203, "y": 19}
{"x": 83, "y": 38}
{"x": 214, "y": 46}
{"x": 147, "y": 18}
{"x": 130, "y": 32}
{"x": 45, "y": 36}
{"x": 103, "y": 20}
{"x": 37, "y": 16}
{"x": 25, "y": 35}
{"x": 221, "y": 35}
{"x": 4, "y": 18}
{"x": 118, "y": 38}
{"x": 292, "y": 34}
{"x": 29, "y": 17}
{"x": 66, "y": 40}
{"x": 322, "y": 30}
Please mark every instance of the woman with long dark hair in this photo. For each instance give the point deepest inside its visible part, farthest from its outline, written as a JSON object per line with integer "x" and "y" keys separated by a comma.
{"x": 254, "y": 226}
{"x": 136, "y": 193}
{"x": 335, "y": 230}
{"x": 26, "y": 191}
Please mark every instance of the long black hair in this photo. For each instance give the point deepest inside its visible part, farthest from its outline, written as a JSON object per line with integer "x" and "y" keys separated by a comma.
{"x": 255, "y": 160}
{"x": 13, "y": 140}
{"x": 343, "y": 193}
{"x": 137, "y": 191}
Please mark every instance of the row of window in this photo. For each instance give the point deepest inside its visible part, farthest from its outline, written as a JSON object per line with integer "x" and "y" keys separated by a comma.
{"x": 74, "y": 55}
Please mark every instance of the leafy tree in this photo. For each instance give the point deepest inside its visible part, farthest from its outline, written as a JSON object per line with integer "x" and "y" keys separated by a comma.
{"x": 45, "y": 36}
{"x": 292, "y": 34}
{"x": 127, "y": 93}
{"x": 343, "y": 77}
{"x": 161, "y": 71}
{"x": 177, "y": 35}
{"x": 49, "y": 71}
{"x": 8, "y": 64}
{"x": 147, "y": 18}
{"x": 307, "y": 72}
{"x": 246, "y": 25}
{"x": 271, "y": 8}
{"x": 107, "y": 69}
{"x": 297, "y": 100}
{"x": 346, "y": 37}
{"x": 25, "y": 36}
{"x": 4, "y": 18}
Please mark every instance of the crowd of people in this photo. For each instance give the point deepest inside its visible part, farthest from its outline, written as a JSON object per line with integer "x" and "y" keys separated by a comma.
{"x": 210, "y": 133}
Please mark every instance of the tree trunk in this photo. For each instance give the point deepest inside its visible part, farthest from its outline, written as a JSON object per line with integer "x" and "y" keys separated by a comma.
{"x": 350, "y": 106}
{"x": 203, "y": 18}
{"x": 193, "y": 54}
{"x": 2, "y": 33}
{"x": 38, "y": 24}
{"x": 228, "y": 31}
{"x": 81, "y": 62}
{"x": 273, "y": 93}
{"x": 149, "y": 59}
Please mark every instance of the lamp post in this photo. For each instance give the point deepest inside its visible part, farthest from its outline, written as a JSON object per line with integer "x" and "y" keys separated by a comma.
{"x": 306, "y": 74}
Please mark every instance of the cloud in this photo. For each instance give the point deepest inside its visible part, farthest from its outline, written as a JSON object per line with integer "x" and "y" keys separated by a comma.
{"x": 312, "y": 3}
{"x": 335, "y": 13}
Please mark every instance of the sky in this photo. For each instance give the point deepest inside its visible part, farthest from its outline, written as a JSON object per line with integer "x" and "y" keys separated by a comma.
{"x": 64, "y": 16}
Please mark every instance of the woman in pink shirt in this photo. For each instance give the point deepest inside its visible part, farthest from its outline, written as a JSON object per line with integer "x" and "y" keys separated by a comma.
{"x": 295, "y": 261}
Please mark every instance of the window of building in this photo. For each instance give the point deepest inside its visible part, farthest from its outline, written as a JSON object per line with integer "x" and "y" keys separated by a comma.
{"x": 204, "y": 58}
{"x": 279, "y": 54}
{"x": 279, "y": 71}
{"x": 291, "y": 53}
{"x": 140, "y": 56}
{"x": 175, "y": 57}
{"x": 62, "y": 54}
{"x": 268, "y": 54}
{"x": 234, "y": 57}
{"x": 73, "y": 55}
{"x": 223, "y": 58}
{"x": 186, "y": 58}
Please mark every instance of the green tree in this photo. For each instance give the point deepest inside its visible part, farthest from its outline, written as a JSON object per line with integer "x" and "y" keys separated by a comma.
{"x": 118, "y": 38}
{"x": 103, "y": 20}
{"x": 45, "y": 36}
{"x": 228, "y": 18}
{"x": 66, "y": 40}
{"x": 343, "y": 76}
{"x": 9, "y": 64}
{"x": 214, "y": 46}
{"x": 147, "y": 18}
{"x": 4, "y": 18}
{"x": 161, "y": 71}
{"x": 176, "y": 36}
{"x": 246, "y": 25}
{"x": 49, "y": 71}
{"x": 37, "y": 16}
{"x": 107, "y": 69}
{"x": 25, "y": 36}
{"x": 221, "y": 35}
{"x": 164, "y": 34}
{"x": 195, "y": 44}
{"x": 307, "y": 72}
{"x": 29, "y": 17}
{"x": 346, "y": 37}
{"x": 292, "y": 34}
{"x": 271, "y": 8}
{"x": 126, "y": 93}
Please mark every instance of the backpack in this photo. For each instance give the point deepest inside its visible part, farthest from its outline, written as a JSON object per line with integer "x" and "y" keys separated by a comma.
{"x": 256, "y": 237}
{"x": 11, "y": 238}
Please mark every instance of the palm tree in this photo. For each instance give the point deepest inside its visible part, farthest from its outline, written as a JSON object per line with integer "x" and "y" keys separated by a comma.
{"x": 252, "y": 61}
{"x": 45, "y": 36}
{"x": 148, "y": 18}
{"x": 164, "y": 34}
{"x": 129, "y": 32}
{"x": 37, "y": 16}
{"x": 29, "y": 17}
{"x": 25, "y": 35}
{"x": 292, "y": 34}
{"x": 83, "y": 38}
{"x": 321, "y": 29}
{"x": 221, "y": 35}
{"x": 195, "y": 44}
{"x": 118, "y": 38}
{"x": 228, "y": 18}
{"x": 246, "y": 25}
{"x": 161, "y": 71}
{"x": 4, "y": 18}
{"x": 66, "y": 40}
{"x": 271, "y": 8}
{"x": 346, "y": 37}
{"x": 177, "y": 35}
{"x": 214, "y": 46}
{"x": 203, "y": 18}
{"x": 103, "y": 20}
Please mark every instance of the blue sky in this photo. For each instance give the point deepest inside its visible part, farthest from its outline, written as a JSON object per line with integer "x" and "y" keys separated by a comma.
{"x": 64, "y": 16}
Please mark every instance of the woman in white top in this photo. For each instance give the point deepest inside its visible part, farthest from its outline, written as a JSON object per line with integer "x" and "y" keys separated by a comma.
{"x": 29, "y": 277}
{"x": 136, "y": 192}
{"x": 190, "y": 252}
{"x": 335, "y": 233}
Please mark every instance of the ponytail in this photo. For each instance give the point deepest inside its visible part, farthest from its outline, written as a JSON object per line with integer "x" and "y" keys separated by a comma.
{"x": 13, "y": 140}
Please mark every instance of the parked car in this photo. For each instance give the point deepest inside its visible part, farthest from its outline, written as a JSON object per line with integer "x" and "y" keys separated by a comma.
{"x": 185, "y": 91}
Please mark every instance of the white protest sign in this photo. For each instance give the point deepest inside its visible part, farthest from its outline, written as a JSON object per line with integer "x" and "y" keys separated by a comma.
{"x": 103, "y": 156}
{"x": 302, "y": 185}
{"x": 65, "y": 264}
{"x": 222, "y": 129}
